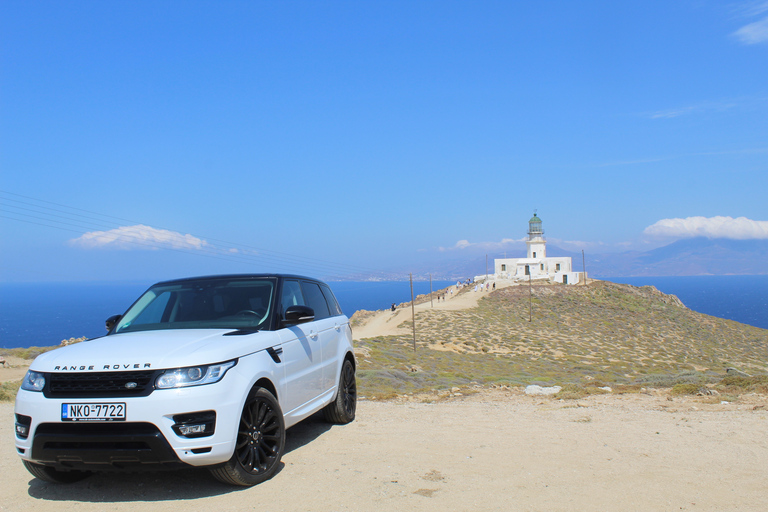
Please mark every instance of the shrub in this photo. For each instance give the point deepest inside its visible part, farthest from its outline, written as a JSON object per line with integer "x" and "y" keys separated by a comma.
{"x": 8, "y": 391}
{"x": 685, "y": 389}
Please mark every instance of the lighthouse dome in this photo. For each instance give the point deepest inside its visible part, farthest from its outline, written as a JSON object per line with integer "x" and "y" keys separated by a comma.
{"x": 534, "y": 226}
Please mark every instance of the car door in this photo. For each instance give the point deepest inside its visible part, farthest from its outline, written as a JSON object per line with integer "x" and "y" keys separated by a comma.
{"x": 301, "y": 355}
{"x": 333, "y": 351}
{"x": 325, "y": 332}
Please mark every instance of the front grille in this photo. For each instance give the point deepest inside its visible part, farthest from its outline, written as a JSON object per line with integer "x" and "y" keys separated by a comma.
{"x": 110, "y": 446}
{"x": 100, "y": 384}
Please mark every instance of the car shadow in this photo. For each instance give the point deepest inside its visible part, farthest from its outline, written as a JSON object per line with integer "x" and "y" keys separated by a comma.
{"x": 182, "y": 484}
{"x": 306, "y": 431}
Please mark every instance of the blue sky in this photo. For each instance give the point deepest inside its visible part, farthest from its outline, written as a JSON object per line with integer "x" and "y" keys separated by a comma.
{"x": 149, "y": 140}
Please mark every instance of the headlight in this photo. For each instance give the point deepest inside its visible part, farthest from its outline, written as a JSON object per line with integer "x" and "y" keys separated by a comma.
{"x": 33, "y": 381}
{"x": 193, "y": 376}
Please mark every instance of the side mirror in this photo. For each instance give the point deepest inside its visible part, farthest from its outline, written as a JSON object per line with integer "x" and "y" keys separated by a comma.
{"x": 112, "y": 321}
{"x": 298, "y": 315}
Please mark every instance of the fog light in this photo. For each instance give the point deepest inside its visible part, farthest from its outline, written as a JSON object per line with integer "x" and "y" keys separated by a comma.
{"x": 22, "y": 426}
{"x": 22, "y": 430}
{"x": 195, "y": 424}
{"x": 187, "y": 430}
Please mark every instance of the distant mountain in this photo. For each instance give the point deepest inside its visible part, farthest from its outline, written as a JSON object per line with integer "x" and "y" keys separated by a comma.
{"x": 690, "y": 257}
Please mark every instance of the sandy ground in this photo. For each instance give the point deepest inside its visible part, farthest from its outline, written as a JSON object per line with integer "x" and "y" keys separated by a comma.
{"x": 497, "y": 450}
{"x": 494, "y": 450}
{"x": 14, "y": 369}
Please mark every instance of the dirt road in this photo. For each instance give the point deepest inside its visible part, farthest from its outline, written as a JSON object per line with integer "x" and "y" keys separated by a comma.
{"x": 498, "y": 450}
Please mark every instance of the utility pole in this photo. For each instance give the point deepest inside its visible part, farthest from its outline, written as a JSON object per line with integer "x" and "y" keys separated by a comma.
{"x": 431, "y": 304}
{"x": 413, "y": 313}
{"x": 486, "y": 268}
{"x": 530, "y": 298}
{"x": 584, "y": 266}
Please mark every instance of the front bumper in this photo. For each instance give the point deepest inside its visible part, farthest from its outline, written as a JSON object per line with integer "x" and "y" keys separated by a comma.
{"x": 146, "y": 437}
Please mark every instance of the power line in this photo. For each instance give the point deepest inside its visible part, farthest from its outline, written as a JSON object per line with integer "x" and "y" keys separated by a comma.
{"x": 72, "y": 219}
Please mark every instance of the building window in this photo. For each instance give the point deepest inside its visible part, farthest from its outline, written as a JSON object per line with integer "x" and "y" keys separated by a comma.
{"x": 558, "y": 267}
{"x": 542, "y": 266}
{"x": 503, "y": 268}
{"x": 534, "y": 254}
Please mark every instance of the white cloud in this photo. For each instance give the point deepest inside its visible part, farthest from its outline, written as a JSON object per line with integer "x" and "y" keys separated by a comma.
{"x": 740, "y": 228}
{"x": 138, "y": 237}
{"x": 756, "y": 32}
{"x": 753, "y": 33}
{"x": 462, "y": 244}
{"x": 487, "y": 246}
{"x": 753, "y": 8}
{"x": 702, "y": 108}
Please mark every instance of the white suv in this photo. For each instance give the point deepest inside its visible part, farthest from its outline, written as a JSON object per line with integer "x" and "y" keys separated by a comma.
{"x": 206, "y": 371}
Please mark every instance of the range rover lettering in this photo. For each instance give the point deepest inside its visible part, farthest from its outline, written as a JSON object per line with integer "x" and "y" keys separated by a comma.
{"x": 205, "y": 371}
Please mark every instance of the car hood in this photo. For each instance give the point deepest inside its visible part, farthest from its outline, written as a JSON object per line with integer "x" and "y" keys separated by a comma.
{"x": 152, "y": 350}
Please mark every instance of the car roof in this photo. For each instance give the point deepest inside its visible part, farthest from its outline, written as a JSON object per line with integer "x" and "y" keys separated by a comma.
{"x": 237, "y": 276}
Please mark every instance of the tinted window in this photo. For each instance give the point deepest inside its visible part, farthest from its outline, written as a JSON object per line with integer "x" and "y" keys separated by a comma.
{"x": 292, "y": 296}
{"x": 315, "y": 299}
{"x": 333, "y": 304}
{"x": 154, "y": 312}
{"x": 202, "y": 304}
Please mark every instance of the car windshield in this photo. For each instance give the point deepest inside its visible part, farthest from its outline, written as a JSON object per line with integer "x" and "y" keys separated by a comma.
{"x": 205, "y": 304}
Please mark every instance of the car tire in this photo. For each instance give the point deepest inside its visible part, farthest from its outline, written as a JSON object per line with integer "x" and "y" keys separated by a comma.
{"x": 342, "y": 409}
{"x": 260, "y": 442}
{"x": 54, "y": 476}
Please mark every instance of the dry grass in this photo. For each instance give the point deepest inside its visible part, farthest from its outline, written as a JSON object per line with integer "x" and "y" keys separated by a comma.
{"x": 609, "y": 334}
{"x": 8, "y": 391}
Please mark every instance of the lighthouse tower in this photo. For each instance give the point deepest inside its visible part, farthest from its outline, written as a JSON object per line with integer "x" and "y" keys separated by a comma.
{"x": 537, "y": 266}
{"x": 537, "y": 246}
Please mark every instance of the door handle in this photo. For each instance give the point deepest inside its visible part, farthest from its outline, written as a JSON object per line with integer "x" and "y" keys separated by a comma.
{"x": 313, "y": 335}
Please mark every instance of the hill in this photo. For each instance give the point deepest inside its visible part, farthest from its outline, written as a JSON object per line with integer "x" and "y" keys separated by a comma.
{"x": 607, "y": 333}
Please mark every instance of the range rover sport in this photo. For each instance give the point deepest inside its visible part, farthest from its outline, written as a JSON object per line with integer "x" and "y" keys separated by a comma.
{"x": 203, "y": 371}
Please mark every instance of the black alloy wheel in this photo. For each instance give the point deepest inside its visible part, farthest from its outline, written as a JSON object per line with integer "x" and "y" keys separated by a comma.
{"x": 260, "y": 442}
{"x": 342, "y": 409}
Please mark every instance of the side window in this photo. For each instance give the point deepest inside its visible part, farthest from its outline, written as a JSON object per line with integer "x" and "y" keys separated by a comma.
{"x": 291, "y": 296}
{"x": 333, "y": 304}
{"x": 315, "y": 299}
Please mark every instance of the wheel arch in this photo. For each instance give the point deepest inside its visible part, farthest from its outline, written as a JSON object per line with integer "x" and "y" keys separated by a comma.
{"x": 350, "y": 356}
{"x": 267, "y": 384}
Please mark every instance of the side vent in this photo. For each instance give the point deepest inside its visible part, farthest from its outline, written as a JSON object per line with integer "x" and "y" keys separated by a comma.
{"x": 274, "y": 353}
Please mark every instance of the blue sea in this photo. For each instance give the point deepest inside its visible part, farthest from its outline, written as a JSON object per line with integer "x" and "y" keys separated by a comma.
{"x": 43, "y": 314}
{"x": 740, "y": 298}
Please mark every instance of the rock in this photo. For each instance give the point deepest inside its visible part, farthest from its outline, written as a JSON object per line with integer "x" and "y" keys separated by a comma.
{"x": 455, "y": 390}
{"x": 606, "y": 388}
{"x": 533, "y": 389}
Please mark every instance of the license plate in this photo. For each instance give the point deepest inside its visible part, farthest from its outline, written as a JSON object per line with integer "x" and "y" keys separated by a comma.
{"x": 93, "y": 412}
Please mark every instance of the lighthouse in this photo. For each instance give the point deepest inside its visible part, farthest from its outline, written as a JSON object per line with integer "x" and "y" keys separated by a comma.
{"x": 536, "y": 266}
{"x": 537, "y": 246}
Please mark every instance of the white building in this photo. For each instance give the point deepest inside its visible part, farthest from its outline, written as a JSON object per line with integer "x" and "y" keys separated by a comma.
{"x": 536, "y": 266}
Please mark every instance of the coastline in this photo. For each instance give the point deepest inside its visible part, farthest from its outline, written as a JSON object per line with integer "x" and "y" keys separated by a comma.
{"x": 470, "y": 448}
